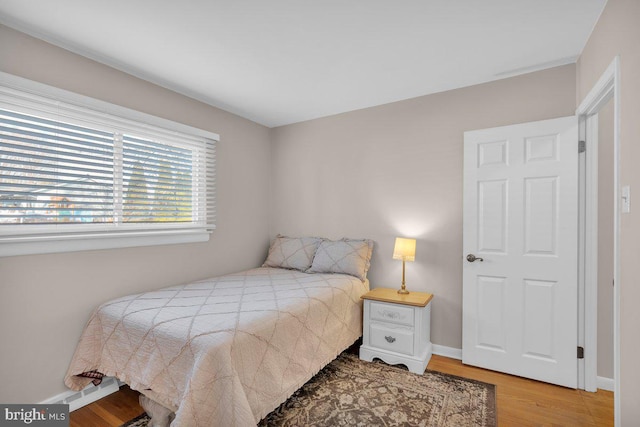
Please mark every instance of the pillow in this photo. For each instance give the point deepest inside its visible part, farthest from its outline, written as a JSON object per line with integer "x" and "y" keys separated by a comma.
{"x": 346, "y": 256}
{"x": 292, "y": 252}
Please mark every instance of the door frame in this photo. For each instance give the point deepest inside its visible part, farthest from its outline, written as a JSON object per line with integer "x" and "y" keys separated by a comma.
{"x": 606, "y": 88}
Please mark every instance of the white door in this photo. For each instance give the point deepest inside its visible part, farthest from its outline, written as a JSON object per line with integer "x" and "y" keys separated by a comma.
{"x": 520, "y": 296}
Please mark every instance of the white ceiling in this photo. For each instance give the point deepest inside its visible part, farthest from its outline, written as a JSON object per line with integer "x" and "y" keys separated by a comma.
{"x": 283, "y": 61}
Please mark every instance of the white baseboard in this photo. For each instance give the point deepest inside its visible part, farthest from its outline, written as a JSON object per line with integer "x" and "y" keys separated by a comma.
{"x": 443, "y": 350}
{"x": 91, "y": 393}
{"x": 605, "y": 383}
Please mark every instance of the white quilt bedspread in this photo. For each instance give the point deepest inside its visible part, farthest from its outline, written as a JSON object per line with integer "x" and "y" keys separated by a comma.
{"x": 224, "y": 351}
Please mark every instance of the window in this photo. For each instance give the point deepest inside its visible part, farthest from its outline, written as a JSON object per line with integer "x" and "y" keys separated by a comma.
{"x": 72, "y": 174}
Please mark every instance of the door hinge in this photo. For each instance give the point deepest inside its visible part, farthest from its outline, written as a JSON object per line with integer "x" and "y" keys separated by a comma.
{"x": 582, "y": 146}
{"x": 580, "y": 352}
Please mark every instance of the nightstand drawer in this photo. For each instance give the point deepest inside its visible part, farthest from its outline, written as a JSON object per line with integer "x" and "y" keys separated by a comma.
{"x": 392, "y": 339}
{"x": 393, "y": 313}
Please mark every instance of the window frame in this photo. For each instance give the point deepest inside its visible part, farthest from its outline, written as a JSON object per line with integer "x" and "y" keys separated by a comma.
{"x": 40, "y": 239}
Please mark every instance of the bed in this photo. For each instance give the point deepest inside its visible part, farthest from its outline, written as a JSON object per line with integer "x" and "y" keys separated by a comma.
{"x": 226, "y": 351}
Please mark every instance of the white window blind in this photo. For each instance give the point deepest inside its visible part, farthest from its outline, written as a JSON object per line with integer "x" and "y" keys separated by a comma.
{"x": 69, "y": 172}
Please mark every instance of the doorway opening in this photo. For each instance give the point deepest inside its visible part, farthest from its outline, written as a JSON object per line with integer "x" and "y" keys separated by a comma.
{"x": 598, "y": 103}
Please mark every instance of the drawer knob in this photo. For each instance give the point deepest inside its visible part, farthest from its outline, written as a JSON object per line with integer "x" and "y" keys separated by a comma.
{"x": 389, "y": 338}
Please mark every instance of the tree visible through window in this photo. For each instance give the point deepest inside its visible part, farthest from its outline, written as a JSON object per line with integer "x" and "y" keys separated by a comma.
{"x": 55, "y": 172}
{"x": 174, "y": 194}
{"x": 78, "y": 171}
{"x": 158, "y": 183}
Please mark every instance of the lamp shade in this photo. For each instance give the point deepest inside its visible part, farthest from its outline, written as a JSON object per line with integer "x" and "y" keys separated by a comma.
{"x": 405, "y": 249}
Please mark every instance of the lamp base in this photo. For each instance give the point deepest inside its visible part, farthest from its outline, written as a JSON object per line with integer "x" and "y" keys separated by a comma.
{"x": 403, "y": 291}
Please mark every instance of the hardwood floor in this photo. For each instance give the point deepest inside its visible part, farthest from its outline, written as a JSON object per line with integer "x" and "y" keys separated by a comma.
{"x": 110, "y": 411}
{"x": 521, "y": 402}
{"x": 524, "y": 402}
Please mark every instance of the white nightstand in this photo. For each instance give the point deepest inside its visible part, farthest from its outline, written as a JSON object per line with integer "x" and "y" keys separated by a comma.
{"x": 397, "y": 328}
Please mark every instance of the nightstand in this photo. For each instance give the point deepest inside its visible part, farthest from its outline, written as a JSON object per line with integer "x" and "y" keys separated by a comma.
{"x": 397, "y": 328}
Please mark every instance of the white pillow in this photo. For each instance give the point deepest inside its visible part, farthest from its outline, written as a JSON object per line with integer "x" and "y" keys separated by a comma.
{"x": 346, "y": 256}
{"x": 292, "y": 252}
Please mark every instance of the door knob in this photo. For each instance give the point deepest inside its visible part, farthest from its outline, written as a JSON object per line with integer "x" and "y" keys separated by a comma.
{"x": 472, "y": 258}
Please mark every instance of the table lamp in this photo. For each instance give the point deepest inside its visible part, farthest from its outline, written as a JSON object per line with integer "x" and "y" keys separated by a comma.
{"x": 404, "y": 249}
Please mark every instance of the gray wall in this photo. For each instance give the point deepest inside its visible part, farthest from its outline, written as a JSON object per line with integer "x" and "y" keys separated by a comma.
{"x": 618, "y": 33}
{"x": 396, "y": 170}
{"x": 45, "y": 300}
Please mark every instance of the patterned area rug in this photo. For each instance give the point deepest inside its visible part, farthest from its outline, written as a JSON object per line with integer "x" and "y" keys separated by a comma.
{"x": 351, "y": 392}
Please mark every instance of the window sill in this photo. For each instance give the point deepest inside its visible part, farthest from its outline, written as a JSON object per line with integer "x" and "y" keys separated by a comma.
{"x": 89, "y": 242}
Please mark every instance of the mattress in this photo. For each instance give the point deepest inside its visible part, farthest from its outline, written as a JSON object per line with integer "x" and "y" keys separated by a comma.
{"x": 223, "y": 351}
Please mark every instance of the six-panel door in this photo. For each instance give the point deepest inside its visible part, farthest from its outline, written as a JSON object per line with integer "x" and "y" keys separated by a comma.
{"x": 521, "y": 219}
